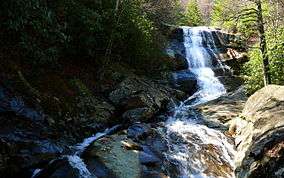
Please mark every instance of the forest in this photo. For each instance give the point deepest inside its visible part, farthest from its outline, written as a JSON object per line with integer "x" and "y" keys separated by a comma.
{"x": 141, "y": 88}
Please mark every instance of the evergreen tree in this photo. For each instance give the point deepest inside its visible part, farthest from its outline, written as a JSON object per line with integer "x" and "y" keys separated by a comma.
{"x": 193, "y": 16}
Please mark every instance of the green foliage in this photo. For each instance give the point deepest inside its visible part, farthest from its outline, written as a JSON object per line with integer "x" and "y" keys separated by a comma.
{"x": 252, "y": 70}
{"x": 134, "y": 33}
{"x": 193, "y": 16}
{"x": 241, "y": 16}
{"x": 238, "y": 16}
{"x": 220, "y": 16}
{"x": 32, "y": 26}
{"x": 45, "y": 32}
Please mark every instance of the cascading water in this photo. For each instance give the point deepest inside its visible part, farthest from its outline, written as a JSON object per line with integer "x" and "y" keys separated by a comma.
{"x": 75, "y": 159}
{"x": 200, "y": 63}
{"x": 195, "y": 149}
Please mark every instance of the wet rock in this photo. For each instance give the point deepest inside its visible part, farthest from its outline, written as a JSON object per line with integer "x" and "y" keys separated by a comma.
{"x": 180, "y": 62}
{"x": 222, "y": 71}
{"x": 138, "y": 131}
{"x": 26, "y": 140}
{"x": 260, "y": 142}
{"x": 186, "y": 81}
{"x": 67, "y": 166}
{"x": 176, "y": 61}
{"x": 130, "y": 145}
{"x": 123, "y": 163}
{"x": 153, "y": 174}
{"x": 148, "y": 158}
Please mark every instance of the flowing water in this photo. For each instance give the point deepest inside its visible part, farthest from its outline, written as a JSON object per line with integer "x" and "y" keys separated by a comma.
{"x": 75, "y": 159}
{"x": 195, "y": 149}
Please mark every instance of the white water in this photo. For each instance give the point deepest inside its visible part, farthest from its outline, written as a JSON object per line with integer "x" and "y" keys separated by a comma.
{"x": 75, "y": 160}
{"x": 188, "y": 139}
{"x": 200, "y": 64}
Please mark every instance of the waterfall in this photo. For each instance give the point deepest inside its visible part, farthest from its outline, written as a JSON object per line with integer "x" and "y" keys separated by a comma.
{"x": 195, "y": 149}
{"x": 200, "y": 63}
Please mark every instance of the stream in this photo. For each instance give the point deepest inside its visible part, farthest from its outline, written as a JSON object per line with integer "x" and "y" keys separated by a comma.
{"x": 197, "y": 150}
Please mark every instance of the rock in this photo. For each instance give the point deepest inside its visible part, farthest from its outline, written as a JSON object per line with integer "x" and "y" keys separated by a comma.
{"x": 221, "y": 111}
{"x": 91, "y": 108}
{"x": 186, "y": 81}
{"x": 130, "y": 145}
{"x": 123, "y": 163}
{"x": 140, "y": 98}
{"x": 176, "y": 61}
{"x": 119, "y": 156}
{"x": 138, "y": 114}
{"x": 231, "y": 83}
{"x": 180, "y": 62}
{"x": 150, "y": 93}
{"x": 24, "y": 144}
{"x": 153, "y": 174}
{"x": 177, "y": 33}
{"x": 222, "y": 71}
{"x": 66, "y": 166}
{"x": 260, "y": 143}
{"x": 235, "y": 60}
{"x": 138, "y": 131}
{"x": 148, "y": 158}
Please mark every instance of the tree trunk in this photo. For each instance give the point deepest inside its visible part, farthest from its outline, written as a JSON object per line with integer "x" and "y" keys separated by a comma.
{"x": 263, "y": 45}
{"x": 110, "y": 43}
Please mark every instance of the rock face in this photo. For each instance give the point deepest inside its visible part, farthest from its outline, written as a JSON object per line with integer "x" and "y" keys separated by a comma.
{"x": 260, "y": 144}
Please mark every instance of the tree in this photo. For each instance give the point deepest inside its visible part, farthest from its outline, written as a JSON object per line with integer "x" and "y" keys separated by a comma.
{"x": 193, "y": 16}
{"x": 263, "y": 44}
{"x": 261, "y": 24}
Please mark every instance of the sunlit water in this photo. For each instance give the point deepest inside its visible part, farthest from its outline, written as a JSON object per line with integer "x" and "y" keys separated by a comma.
{"x": 199, "y": 151}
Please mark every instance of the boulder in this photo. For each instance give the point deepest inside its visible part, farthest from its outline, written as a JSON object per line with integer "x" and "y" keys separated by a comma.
{"x": 114, "y": 153}
{"x": 140, "y": 98}
{"x": 260, "y": 144}
{"x": 91, "y": 108}
{"x": 25, "y": 138}
{"x": 177, "y": 62}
